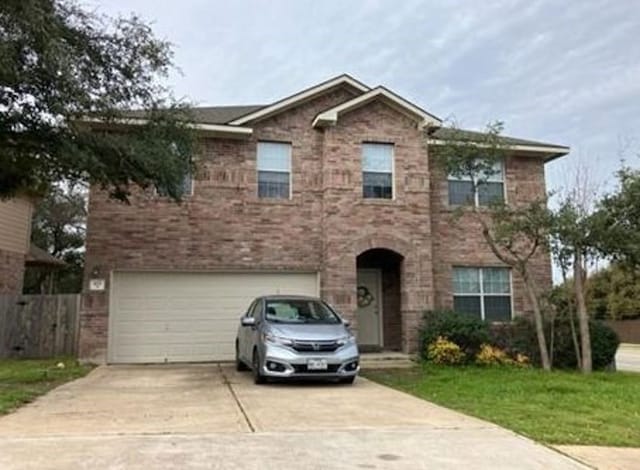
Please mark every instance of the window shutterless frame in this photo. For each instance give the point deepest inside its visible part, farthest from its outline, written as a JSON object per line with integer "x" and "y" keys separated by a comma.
{"x": 368, "y": 145}
{"x": 188, "y": 186}
{"x": 476, "y": 195}
{"x": 482, "y": 294}
{"x": 263, "y": 166}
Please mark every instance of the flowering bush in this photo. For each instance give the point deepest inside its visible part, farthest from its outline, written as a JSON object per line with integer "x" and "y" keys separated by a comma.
{"x": 493, "y": 356}
{"x": 443, "y": 351}
{"x": 522, "y": 360}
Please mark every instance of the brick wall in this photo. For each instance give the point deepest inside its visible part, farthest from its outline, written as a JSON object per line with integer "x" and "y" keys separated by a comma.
{"x": 11, "y": 272}
{"x": 458, "y": 240}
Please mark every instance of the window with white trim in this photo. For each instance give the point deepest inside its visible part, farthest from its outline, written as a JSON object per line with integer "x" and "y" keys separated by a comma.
{"x": 483, "y": 292}
{"x": 377, "y": 170}
{"x": 274, "y": 170}
{"x": 489, "y": 190}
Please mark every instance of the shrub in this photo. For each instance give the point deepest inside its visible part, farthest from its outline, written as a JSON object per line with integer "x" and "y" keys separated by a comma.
{"x": 604, "y": 344}
{"x": 492, "y": 356}
{"x": 519, "y": 337}
{"x": 445, "y": 352}
{"x": 467, "y": 332}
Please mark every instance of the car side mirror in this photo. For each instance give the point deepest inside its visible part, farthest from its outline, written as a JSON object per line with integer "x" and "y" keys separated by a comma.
{"x": 248, "y": 321}
{"x": 346, "y": 323}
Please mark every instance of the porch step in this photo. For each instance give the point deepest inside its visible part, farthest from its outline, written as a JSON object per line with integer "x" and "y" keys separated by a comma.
{"x": 386, "y": 360}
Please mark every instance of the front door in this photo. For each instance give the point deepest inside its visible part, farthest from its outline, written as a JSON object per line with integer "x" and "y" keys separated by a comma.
{"x": 369, "y": 308}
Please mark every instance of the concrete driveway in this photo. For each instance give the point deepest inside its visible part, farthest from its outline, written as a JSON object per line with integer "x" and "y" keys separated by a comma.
{"x": 209, "y": 416}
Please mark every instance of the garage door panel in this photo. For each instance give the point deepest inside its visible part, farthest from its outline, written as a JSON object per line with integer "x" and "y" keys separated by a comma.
{"x": 185, "y": 317}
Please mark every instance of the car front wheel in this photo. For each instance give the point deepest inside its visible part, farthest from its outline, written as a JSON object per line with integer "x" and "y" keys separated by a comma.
{"x": 258, "y": 378}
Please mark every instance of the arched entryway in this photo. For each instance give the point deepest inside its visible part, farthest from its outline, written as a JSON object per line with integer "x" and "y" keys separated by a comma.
{"x": 378, "y": 300}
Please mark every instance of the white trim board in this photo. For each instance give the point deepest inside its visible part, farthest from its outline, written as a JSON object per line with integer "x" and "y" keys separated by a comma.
{"x": 222, "y": 130}
{"x": 330, "y": 116}
{"x": 551, "y": 152}
{"x": 300, "y": 97}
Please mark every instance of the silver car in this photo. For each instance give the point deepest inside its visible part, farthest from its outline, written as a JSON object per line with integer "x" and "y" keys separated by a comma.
{"x": 296, "y": 337}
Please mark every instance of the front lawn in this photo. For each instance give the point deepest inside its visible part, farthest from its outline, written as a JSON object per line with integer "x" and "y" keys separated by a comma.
{"x": 554, "y": 408}
{"x": 22, "y": 380}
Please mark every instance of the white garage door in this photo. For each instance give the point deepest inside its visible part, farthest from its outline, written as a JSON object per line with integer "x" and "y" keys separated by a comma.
{"x": 187, "y": 317}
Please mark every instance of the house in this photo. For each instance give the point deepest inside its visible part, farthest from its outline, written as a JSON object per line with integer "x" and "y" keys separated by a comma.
{"x": 332, "y": 192}
{"x": 15, "y": 234}
{"x": 16, "y": 250}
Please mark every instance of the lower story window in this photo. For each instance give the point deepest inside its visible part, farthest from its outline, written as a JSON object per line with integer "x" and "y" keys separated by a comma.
{"x": 483, "y": 292}
{"x": 273, "y": 184}
{"x": 377, "y": 185}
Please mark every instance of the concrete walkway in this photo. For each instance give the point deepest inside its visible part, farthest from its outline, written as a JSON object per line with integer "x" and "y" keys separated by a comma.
{"x": 208, "y": 416}
{"x": 605, "y": 458}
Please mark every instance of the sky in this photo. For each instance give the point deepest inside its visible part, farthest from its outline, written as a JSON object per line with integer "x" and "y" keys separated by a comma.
{"x": 565, "y": 72}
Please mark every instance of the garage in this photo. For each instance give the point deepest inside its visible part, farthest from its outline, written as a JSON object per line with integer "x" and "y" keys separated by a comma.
{"x": 187, "y": 317}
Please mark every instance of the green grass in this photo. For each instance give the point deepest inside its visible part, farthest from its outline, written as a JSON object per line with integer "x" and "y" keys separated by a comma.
{"x": 22, "y": 380}
{"x": 555, "y": 408}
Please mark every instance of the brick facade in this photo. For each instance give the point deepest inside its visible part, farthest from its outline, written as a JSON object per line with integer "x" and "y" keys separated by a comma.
{"x": 328, "y": 224}
{"x": 11, "y": 272}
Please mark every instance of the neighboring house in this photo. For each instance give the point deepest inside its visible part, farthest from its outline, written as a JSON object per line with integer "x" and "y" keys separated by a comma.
{"x": 15, "y": 234}
{"x": 330, "y": 192}
{"x": 16, "y": 249}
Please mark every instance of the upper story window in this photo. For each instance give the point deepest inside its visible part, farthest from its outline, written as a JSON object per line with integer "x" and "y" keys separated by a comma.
{"x": 377, "y": 171}
{"x": 483, "y": 292}
{"x": 490, "y": 190}
{"x": 186, "y": 188}
{"x": 274, "y": 170}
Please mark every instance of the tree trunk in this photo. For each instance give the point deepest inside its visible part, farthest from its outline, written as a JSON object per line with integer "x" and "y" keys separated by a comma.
{"x": 537, "y": 316}
{"x": 572, "y": 325}
{"x": 583, "y": 316}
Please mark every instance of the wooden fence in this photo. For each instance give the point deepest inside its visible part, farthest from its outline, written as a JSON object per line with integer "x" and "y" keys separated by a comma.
{"x": 628, "y": 330}
{"x": 39, "y": 325}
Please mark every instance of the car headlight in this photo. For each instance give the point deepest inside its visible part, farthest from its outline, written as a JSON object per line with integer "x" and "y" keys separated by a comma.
{"x": 349, "y": 339}
{"x": 279, "y": 340}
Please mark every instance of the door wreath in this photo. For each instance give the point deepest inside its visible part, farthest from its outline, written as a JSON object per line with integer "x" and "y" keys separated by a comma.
{"x": 365, "y": 298}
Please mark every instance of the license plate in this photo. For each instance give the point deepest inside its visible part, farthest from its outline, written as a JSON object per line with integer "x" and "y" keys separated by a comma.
{"x": 317, "y": 364}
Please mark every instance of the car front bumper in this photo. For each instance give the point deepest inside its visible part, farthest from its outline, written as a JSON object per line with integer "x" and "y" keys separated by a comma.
{"x": 284, "y": 362}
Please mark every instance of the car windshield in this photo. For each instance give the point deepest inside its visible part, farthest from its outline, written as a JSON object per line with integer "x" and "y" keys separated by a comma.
{"x": 300, "y": 311}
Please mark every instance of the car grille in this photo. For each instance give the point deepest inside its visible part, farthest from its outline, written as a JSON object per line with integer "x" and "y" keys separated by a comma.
{"x": 315, "y": 346}
{"x": 302, "y": 369}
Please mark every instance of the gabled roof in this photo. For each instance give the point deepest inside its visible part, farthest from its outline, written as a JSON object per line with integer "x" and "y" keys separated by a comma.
{"x": 343, "y": 80}
{"x": 330, "y": 116}
{"x": 549, "y": 151}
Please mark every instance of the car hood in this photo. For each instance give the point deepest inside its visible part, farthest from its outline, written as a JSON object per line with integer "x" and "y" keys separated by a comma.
{"x": 310, "y": 332}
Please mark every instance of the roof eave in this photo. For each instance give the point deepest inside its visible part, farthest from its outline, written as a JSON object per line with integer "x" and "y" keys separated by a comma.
{"x": 297, "y": 98}
{"x": 208, "y": 130}
{"x": 330, "y": 116}
{"x": 547, "y": 152}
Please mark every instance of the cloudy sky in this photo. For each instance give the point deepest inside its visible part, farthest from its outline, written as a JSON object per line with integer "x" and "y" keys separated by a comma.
{"x": 566, "y": 72}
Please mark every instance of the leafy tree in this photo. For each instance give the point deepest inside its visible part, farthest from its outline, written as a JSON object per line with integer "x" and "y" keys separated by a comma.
{"x": 576, "y": 232}
{"x": 514, "y": 234}
{"x": 59, "y": 226}
{"x": 67, "y": 79}
{"x": 619, "y": 215}
{"x": 612, "y": 293}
